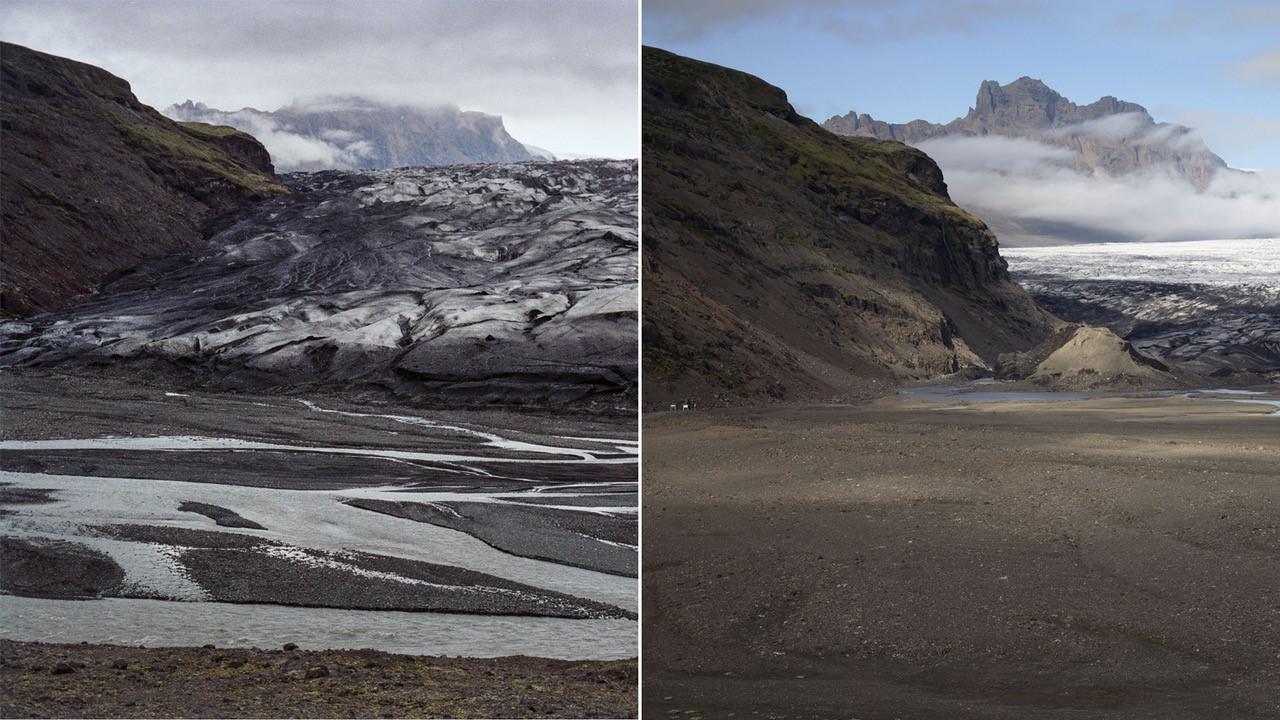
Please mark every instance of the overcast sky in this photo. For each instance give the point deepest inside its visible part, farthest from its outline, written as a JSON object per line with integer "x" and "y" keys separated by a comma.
{"x": 561, "y": 73}
{"x": 1212, "y": 65}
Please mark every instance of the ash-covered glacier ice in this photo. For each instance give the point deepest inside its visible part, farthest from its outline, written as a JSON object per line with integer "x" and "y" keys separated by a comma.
{"x": 475, "y": 284}
{"x": 1211, "y": 307}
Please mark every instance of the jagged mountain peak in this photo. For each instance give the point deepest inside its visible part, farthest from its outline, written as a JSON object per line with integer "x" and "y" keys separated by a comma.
{"x": 1025, "y": 85}
{"x": 1110, "y": 135}
{"x": 1031, "y": 103}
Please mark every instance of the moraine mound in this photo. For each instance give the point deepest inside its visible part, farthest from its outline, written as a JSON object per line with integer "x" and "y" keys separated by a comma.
{"x": 1083, "y": 357}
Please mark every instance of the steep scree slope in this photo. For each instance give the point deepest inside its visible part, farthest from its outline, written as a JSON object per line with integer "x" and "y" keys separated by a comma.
{"x": 95, "y": 182}
{"x": 782, "y": 260}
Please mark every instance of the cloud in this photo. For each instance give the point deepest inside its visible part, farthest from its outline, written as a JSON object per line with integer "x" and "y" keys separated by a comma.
{"x": 290, "y": 150}
{"x": 562, "y": 73}
{"x": 1191, "y": 18}
{"x": 1263, "y": 67}
{"x": 1110, "y": 127}
{"x": 340, "y": 136}
{"x": 1234, "y": 134}
{"x": 1031, "y": 195}
{"x": 857, "y": 21}
{"x": 998, "y": 155}
{"x": 689, "y": 19}
{"x": 1135, "y": 129}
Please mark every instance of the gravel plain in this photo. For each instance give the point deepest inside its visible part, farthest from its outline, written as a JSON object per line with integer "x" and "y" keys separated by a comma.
{"x": 1109, "y": 558}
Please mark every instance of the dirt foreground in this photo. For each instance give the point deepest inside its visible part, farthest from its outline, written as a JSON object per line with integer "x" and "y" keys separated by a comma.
{"x": 41, "y": 680}
{"x": 1111, "y": 558}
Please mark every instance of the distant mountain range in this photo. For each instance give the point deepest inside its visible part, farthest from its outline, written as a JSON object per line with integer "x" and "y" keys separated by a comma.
{"x": 1112, "y": 135}
{"x": 356, "y": 133}
{"x": 1041, "y": 170}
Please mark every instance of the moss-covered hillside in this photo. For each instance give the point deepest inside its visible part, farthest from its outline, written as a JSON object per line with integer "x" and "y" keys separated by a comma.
{"x": 94, "y": 182}
{"x": 784, "y": 261}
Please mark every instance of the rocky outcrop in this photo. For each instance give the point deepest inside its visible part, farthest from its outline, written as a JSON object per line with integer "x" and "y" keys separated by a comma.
{"x": 355, "y": 133}
{"x": 467, "y": 285}
{"x": 784, "y": 261}
{"x": 1082, "y": 357}
{"x": 94, "y": 182}
{"x": 1113, "y": 135}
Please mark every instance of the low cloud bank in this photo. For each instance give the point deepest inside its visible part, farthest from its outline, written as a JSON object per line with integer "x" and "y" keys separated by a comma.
{"x": 1135, "y": 129}
{"x": 331, "y": 150}
{"x": 1030, "y": 194}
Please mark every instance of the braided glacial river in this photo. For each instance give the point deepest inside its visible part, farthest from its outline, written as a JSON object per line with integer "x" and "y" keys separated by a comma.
{"x": 569, "y": 597}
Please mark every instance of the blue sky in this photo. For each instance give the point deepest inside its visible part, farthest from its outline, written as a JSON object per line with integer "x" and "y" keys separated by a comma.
{"x": 1214, "y": 67}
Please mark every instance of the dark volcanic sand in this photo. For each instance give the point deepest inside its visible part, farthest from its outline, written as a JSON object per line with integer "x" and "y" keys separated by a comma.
{"x": 56, "y": 569}
{"x": 38, "y": 680}
{"x": 1104, "y": 559}
{"x": 42, "y": 405}
{"x": 24, "y": 496}
{"x": 238, "y": 568}
{"x": 561, "y": 536}
{"x": 45, "y": 403}
{"x": 610, "y": 500}
{"x": 235, "y": 568}
{"x": 247, "y": 576}
{"x": 222, "y": 516}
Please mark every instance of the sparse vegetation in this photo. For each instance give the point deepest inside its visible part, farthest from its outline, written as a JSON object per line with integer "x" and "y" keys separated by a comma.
{"x": 189, "y": 150}
{"x": 840, "y": 258}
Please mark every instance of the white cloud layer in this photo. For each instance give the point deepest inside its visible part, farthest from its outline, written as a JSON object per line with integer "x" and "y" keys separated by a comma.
{"x": 856, "y": 21}
{"x": 334, "y": 149}
{"x": 561, "y": 73}
{"x": 1030, "y": 195}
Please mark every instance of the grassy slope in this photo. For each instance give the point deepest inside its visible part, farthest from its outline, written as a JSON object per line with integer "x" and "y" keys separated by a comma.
{"x": 782, "y": 260}
{"x": 94, "y": 181}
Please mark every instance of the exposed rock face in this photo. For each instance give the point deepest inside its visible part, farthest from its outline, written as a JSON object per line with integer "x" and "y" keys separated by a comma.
{"x": 353, "y": 133}
{"x": 782, "y": 260}
{"x": 1109, "y": 134}
{"x": 479, "y": 284}
{"x": 1082, "y": 357}
{"x": 95, "y": 182}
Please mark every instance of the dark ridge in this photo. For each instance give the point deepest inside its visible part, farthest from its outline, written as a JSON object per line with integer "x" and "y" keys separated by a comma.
{"x": 94, "y": 182}
{"x": 785, "y": 262}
